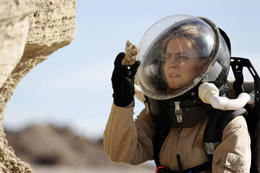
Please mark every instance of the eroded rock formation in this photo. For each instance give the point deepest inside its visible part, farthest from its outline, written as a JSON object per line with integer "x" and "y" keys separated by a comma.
{"x": 30, "y": 30}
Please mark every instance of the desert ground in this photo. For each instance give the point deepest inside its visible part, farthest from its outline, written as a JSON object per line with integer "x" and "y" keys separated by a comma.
{"x": 50, "y": 149}
{"x": 101, "y": 169}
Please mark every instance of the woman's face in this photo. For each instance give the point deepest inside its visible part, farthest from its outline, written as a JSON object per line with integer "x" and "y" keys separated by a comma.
{"x": 182, "y": 63}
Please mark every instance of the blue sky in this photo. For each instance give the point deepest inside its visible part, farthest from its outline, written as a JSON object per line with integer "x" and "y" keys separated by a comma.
{"x": 72, "y": 87}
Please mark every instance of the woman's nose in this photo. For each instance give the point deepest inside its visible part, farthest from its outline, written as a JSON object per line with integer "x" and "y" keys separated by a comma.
{"x": 175, "y": 60}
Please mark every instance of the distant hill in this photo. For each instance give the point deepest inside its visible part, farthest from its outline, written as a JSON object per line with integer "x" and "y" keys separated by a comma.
{"x": 49, "y": 145}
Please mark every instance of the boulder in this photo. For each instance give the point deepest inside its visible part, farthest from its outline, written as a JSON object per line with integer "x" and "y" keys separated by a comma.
{"x": 30, "y": 30}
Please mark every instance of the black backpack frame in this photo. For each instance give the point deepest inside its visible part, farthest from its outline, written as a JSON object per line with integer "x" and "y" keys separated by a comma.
{"x": 237, "y": 65}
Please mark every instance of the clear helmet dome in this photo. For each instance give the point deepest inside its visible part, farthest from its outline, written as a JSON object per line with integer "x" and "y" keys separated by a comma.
{"x": 176, "y": 53}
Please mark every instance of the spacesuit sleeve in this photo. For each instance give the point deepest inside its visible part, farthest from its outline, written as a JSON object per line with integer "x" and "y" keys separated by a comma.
{"x": 128, "y": 140}
{"x": 233, "y": 154}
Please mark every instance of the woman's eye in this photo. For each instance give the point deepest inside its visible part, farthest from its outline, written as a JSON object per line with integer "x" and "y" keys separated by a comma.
{"x": 185, "y": 57}
{"x": 168, "y": 56}
{"x": 178, "y": 57}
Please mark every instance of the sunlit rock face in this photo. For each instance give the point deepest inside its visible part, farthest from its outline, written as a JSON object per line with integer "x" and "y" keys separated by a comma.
{"x": 14, "y": 26}
{"x": 30, "y": 30}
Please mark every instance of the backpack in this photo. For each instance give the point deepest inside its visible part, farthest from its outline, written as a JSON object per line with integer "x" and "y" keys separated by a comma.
{"x": 217, "y": 122}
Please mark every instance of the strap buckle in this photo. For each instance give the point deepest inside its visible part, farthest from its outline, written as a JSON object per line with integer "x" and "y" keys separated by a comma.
{"x": 178, "y": 112}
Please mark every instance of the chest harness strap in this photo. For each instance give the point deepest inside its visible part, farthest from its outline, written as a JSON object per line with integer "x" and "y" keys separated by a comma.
{"x": 212, "y": 137}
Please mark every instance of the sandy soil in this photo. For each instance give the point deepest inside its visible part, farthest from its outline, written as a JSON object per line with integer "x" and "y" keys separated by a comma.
{"x": 63, "y": 169}
{"x": 58, "y": 150}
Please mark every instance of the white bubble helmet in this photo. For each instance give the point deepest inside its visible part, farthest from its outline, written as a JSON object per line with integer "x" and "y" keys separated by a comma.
{"x": 177, "y": 53}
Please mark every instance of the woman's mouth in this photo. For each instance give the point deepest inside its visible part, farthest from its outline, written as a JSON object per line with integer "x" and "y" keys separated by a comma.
{"x": 174, "y": 75}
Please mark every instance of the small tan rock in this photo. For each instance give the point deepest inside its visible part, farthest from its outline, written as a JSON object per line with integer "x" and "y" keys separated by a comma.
{"x": 131, "y": 52}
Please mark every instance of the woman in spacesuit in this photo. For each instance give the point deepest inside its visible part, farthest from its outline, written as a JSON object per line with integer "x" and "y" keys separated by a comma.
{"x": 177, "y": 54}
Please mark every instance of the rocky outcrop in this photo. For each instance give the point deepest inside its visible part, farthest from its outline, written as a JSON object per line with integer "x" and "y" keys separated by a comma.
{"x": 30, "y": 30}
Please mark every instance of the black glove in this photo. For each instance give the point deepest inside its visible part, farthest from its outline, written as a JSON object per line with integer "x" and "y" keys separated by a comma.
{"x": 123, "y": 81}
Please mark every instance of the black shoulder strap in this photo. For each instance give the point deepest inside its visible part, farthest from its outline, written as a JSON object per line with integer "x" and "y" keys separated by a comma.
{"x": 215, "y": 127}
{"x": 212, "y": 135}
{"x": 160, "y": 136}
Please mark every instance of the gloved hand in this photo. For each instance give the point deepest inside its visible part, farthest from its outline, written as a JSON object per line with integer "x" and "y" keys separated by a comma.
{"x": 123, "y": 81}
